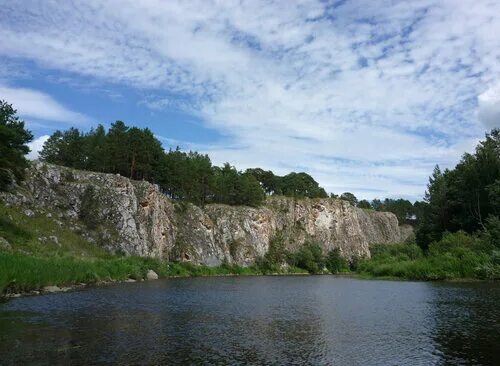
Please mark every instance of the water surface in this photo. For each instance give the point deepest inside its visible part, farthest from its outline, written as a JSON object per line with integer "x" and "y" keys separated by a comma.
{"x": 296, "y": 320}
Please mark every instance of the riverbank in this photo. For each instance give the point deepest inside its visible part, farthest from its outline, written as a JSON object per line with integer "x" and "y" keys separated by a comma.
{"x": 25, "y": 274}
{"x": 456, "y": 257}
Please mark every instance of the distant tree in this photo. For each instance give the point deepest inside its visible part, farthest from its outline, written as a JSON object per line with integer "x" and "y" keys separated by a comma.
{"x": 301, "y": 185}
{"x": 269, "y": 182}
{"x": 13, "y": 146}
{"x": 50, "y": 151}
{"x": 333, "y": 195}
{"x": 403, "y": 209}
{"x": 235, "y": 188}
{"x": 465, "y": 197}
{"x": 96, "y": 148}
{"x": 377, "y": 205}
{"x": 65, "y": 148}
{"x": 117, "y": 148}
{"x": 364, "y": 204}
{"x": 349, "y": 197}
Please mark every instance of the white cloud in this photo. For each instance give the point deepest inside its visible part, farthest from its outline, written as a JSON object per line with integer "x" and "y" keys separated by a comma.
{"x": 34, "y": 104}
{"x": 36, "y": 146}
{"x": 365, "y": 94}
{"x": 489, "y": 107}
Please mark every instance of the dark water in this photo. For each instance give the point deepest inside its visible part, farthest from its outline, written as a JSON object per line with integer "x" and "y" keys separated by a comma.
{"x": 316, "y": 320}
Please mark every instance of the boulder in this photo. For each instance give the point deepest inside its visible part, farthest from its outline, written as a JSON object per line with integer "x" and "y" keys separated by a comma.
{"x": 151, "y": 275}
{"x": 4, "y": 244}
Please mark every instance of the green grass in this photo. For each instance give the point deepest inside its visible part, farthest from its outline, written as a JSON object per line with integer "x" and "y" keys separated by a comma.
{"x": 23, "y": 273}
{"x": 456, "y": 256}
{"x": 23, "y": 233}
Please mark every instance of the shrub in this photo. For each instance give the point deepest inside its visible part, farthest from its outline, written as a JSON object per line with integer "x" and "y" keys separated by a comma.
{"x": 309, "y": 257}
{"x": 492, "y": 234}
{"x": 455, "y": 244}
{"x": 334, "y": 262}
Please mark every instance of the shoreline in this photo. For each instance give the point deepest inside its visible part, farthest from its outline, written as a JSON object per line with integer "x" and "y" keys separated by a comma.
{"x": 47, "y": 290}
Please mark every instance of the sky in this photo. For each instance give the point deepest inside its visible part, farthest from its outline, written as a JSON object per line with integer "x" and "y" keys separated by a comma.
{"x": 366, "y": 96}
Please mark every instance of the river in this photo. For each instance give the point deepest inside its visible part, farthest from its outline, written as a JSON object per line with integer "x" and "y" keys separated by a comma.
{"x": 289, "y": 320}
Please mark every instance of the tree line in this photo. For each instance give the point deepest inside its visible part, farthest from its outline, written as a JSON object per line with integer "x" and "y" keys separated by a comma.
{"x": 465, "y": 198}
{"x": 190, "y": 176}
{"x": 136, "y": 153}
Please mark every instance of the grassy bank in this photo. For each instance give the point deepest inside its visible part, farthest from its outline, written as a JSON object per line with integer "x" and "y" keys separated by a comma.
{"x": 23, "y": 273}
{"x": 456, "y": 256}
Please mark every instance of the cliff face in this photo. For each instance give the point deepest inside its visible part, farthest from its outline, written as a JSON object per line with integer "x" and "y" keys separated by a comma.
{"x": 135, "y": 218}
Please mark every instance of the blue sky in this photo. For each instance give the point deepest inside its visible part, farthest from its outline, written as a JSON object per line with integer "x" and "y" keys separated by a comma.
{"x": 366, "y": 96}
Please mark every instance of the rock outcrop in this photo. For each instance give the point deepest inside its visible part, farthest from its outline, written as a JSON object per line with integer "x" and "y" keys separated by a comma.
{"x": 135, "y": 218}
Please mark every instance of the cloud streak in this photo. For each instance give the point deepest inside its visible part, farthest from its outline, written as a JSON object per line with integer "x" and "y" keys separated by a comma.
{"x": 37, "y": 105}
{"x": 360, "y": 94}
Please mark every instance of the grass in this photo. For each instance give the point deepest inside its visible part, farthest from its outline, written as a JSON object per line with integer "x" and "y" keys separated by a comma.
{"x": 456, "y": 256}
{"x": 23, "y": 273}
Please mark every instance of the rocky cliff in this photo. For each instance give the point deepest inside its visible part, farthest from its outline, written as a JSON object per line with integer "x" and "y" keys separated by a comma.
{"x": 135, "y": 218}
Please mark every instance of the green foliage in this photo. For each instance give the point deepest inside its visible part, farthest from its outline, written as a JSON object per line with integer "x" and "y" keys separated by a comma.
{"x": 276, "y": 255}
{"x": 364, "y": 204}
{"x": 13, "y": 146}
{"x": 298, "y": 185}
{"x": 456, "y": 255}
{"x": 309, "y": 257}
{"x": 349, "y": 197}
{"x": 335, "y": 263}
{"x": 464, "y": 197}
{"x": 235, "y": 188}
{"x": 492, "y": 233}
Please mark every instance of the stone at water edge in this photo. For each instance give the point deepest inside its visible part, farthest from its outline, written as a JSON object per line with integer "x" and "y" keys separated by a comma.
{"x": 52, "y": 289}
{"x": 151, "y": 275}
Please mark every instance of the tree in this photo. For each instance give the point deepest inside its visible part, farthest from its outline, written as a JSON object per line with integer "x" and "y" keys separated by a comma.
{"x": 335, "y": 262}
{"x": 97, "y": 154}
{"x": 269, "y": 182}
{"x": 117, "y": 149}
{"x": 65, "y": 148}
{"x": 235, "y": 188}
{"x": 403, "y": 209}
{"x": 377, "y": 205}
{"x": 349, "y": 197}
{"x": 301, "y": 185}
{"x": 13, "y": 146}
{"x": 464, "y": 197}
{"x": 364, "y": 204}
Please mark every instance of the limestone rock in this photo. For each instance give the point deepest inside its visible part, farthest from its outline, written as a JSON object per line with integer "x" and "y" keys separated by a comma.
{"x": 52, "y": 289}
{"x": 136, "y": 218}
{"x": 151, "y": 275}
{"x": 4, "y": 244}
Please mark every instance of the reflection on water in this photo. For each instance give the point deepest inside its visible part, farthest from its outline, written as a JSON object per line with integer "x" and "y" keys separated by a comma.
{"x": 257, "y": 320}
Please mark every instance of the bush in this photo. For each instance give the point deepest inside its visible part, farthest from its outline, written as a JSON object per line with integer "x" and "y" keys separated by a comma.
{"x": 492, "y": 234}
{"x": 455, "y": 244}
{"x": 335, "y": 263}
{"x": 309, "y": 257}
